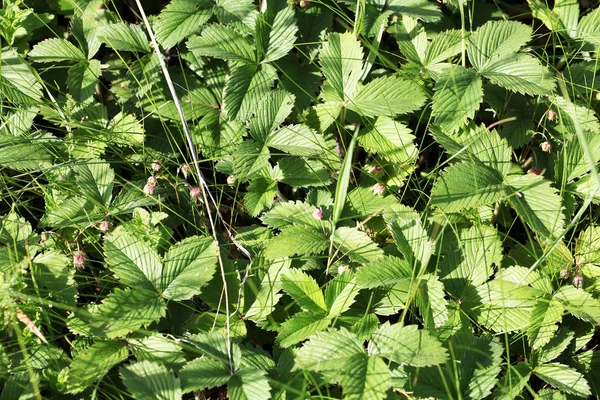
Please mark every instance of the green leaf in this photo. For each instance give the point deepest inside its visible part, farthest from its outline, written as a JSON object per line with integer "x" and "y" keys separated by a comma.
{"x": 270, "y": 112}
{"x": 356, "y": 245}
{"x": 342, "y": 64}
{"x": 366, "y": 378}
{"x": 391, "y": 140}
{"x": 544, "y": 318}
{"x": 301, "y": 326}
{"x": 298, "y": 140}
{"x": 56, "y": 50}
{"x": 122, "y": 36}
{"x": 340, "y": 294}
{"x": 249, "y": 384}
{"x": 479, "y": 249}
{"x": 564, "y": 378}
{"x": 579, "y": 303}
{"x": 158, "y": 347}
{"x": 82, "y": 80}
{"x": 203, "y": 373}
{"x": 188, "y": 267}
{"x": 179, "y": 19}
{"x": 95, "y": 178}
{"x": 291, "y": 213}
{"x": 296, "y": 240}
{"x": 282, "y": 34}
{"x": 407, "y": 345}
{"x": 520, "y": 73}
{"x": 458, "y": 93}
{"x": 222, "y": 42}
{"x": 555, "y": 346}
{"x": 250, "y": 160}
{"x": 304, "y": 290}
{"x": 587, "y": 246}
{"x": 133, "y": 261}
{"x": 149, "y": 380}
{"x": 245, "y": 88}
{"x": 420, "y": 9}
{"x": 300, "y": 172}
{"x": 327, "y": 351}
{"x": 385, "y": 271}
{"x": 537, "y": 203}
{"x": 481, "y": 364}
{"x": 18, "y": 83}
{"x": 120, "y": 313}
{"x": 588, "y": 28}
{"x": 511, "y": 385}
{"x": 410, "y": 235}
{"x": 432, "y": 302}
{"x": 125, "y": 130}
{"x": 261, "y": 192}
{"x": 467, "y": 185}
{"x": 102, "y": 355}
{"x": 268, "y": 294}
{"x": 389, "y": 95}
{"x": 495, "y": 40}
{"x": 50, "y": 270}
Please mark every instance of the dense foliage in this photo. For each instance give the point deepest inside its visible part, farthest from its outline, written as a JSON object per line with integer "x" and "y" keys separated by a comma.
{"x": 370, "y": 199}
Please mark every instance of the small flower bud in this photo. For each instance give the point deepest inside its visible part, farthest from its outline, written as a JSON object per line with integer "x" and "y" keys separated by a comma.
{"x": 378, "y": 189}
{"x": 78, "y": 258}
{"x": 375, "y": 170}
{"x": 578, "y": 281}
{"x": 185, "y": 169}
{"x": 104, "y": 226}
{"x": 195, "y": 193}
{"x": 231, "y": 180}
{"x": 546, "y": 146}
{"x": 156, "y": 166}
{"x": 535, "y": 171}
{"x": 304, "y": 3}
{"x": 152, "y": 181}
{"x": 43, "y": 237}
{"x": 148, "y": 189}
{"x": 565, "y": 274}
{"x": 342, "y": 268}
{"x": 551, "y": 115}
{"x": 318, "y": 214}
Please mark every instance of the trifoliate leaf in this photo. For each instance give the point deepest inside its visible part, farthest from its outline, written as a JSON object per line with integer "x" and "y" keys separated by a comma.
{"x": 103, "y": 355}
{"x": 149, "y": 380}
{"x": 564, "y": 378}
{"x": 356, "y": 245}
{"x": 250, "y": 160}
{"x": 466, "y": 185}
{"x": 179, "y": 19}
{"x": 281, "y": 33}
{"x": 203, "y": 373}
{"x": 300, "y": 172}
{"x": 82, "y": 80}
{"x": 410, "y": 235}
{"x": 50, "y": 270}
{"x": 391, "y": 140}
{"x": 495, "y": 40}
{"x": 122, "y": 36}
{"x": 188, "y": 266}
{"x": 245, "y": 88}
{"x": 158, "y": 347}
{"x": 269, "y": 113}
{"x": 298, "y": 140}
{"x": 342, "y": 64}
{"x": 56, "y": 50}
{"x": 366, "y": 378}
{"x": 125, "y": 130}
{"x": 407, "y": 345}
{"x": 340, "y": 294}
{"x": 304, "y": 290}
{"x": 458, "y": 93}
{"x": 579, "y": 303}
{"x": 390, "y": 95}
{"x": 261, "y": 192}
{"x": 327, "y": 351}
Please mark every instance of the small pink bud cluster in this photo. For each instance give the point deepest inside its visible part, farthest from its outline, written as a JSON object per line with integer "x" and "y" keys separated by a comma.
{"x": 195, "y": 193}
{"x": 578, "y": 281}
{"x": 78, "y": 259}
{"x": 185, "y": 169}
{"x": 156, "y": 165}
{"x": 378, "y": 189}
{"x": 551, "y": 115}
{"x": 150, "y": 186}
{"x": 318, "y": 214}
{"x": 104, "y": 226}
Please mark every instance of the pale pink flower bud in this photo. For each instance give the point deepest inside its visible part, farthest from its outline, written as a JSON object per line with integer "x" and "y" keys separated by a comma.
{"x": 318, "y": 214}
{"x": 152, "y": 181}
{"x": 578, "y": 281}
{"x": 535, "y": 171}
{"x": 378, "y": 189}
{"x": 342, "y": 268}
{"x": 375, "y": 170}
{"x": 148, "y": 189}
{"x": 195, "y": 193}
{"x": 565, "y": 274}
{"x": 304, "y": 3}
{"x": 231, "y": 180}
{"x": 156, "y": 166}
{"x": 104, "y": 226}
{"x": 43, "y": 237}
{"x": 185, "y": 169}
{"x": 546, "y": 146}
{"x": 78, "y": 258}
{"x": 551, "y": 115}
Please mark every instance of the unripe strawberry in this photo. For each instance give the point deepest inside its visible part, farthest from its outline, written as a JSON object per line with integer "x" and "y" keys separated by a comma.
{"x": 578, "y": 281}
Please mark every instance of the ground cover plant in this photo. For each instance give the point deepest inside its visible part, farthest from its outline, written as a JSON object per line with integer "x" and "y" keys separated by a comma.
{"x": 370, "y": 199}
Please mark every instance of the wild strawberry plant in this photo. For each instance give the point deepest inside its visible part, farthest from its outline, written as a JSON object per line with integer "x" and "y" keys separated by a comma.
{"x": 309, "y": 199}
